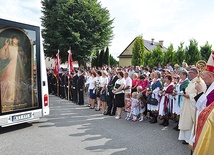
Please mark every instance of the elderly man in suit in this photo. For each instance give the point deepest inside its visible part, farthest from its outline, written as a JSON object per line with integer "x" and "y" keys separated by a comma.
{"x": 111, "y": 110}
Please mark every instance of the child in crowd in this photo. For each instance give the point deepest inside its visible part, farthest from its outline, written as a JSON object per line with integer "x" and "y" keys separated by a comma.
{"x": 135, "y": 108}
{"x": 141, "y": 103}
{"x": 128, "y": 103}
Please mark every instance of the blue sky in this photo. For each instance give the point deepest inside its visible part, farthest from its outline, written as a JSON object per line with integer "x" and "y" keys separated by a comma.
{"x": 173, "y": 21}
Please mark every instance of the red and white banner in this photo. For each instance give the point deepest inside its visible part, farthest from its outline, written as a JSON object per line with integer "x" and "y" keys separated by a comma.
{"x": 70, "y": 62}
{"x": 57, "y": 64}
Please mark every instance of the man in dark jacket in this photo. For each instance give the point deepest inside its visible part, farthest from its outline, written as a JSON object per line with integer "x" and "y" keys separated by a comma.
{"x": 50, "y": 81}
{"x": 110, "y": 96}
{"x": 74, "y": 87}
{"x": 80, "y": 86}
{"x": 65, "y": 79}
{"x": 63, "y": 84}
{"x": 70, "y": 85}
{"x": 54, "y": 85}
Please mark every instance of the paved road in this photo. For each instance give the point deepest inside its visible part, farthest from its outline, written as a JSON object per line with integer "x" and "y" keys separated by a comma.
{"x": 76, "y": 130}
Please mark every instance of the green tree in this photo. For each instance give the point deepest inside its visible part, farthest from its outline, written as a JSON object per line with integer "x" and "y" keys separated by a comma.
{"x": 94, "y": 58}
{"x": 138, "y": 51}
{"x": 168, "y": 55}
{"x": 156, "y": 56}
{"x": 97, "y": 56}
{"x": 106, "y": 57}
{"x": 179, "y": 56}
{"x": 205, "y": 51}
{"x": 82, "y": 25}
{"x": 192, "y": 52}
{"x": 50, "y": 24}
{"x": 101, "y": 58}
{"x": 112, "y": 60}
{"x": 148, "y": 58}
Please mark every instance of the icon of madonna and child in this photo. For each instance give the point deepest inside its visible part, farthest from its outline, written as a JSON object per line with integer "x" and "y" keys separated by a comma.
{"x": 15, "y": 70}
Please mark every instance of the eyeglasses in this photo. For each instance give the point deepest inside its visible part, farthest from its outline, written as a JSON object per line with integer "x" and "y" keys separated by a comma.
{"x": 192, "y": 72}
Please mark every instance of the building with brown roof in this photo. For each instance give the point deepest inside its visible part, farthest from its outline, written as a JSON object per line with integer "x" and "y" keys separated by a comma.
{"x": 126, "y": 56}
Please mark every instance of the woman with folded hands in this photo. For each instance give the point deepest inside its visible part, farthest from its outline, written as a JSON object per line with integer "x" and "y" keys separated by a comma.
{"x": 103, "y": 91}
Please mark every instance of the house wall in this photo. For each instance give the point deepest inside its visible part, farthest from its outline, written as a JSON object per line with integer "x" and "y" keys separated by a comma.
{"x": 127, "y": 61}
{"x": 145, "y": 50}
{"x": 124, "y": 62}
{"x": 50, "y": 63}
{"x": 128, "y": 51}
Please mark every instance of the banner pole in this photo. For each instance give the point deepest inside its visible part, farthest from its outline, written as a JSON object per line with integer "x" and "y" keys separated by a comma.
{"x": 69, "y": 72}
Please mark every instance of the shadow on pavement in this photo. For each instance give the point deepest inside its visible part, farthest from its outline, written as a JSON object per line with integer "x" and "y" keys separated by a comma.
{"x": 14, "y": 127}
{"x": 102, "y": 134}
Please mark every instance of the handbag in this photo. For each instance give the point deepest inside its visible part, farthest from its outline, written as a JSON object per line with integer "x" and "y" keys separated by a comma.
{"x": 98, "y": 91}
{"x": 152, "y": 101}
{"x": 104, "y": 92}
{"x": 117, "y": 86}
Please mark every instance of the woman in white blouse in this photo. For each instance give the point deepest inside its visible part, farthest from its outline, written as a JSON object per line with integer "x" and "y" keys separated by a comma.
{"x": 92, "y": 89}
{"x": 103, "y": 92}
{"x": 88, "y": 79}
{"x": 97, "y": 87}
{"x": 119, "y": 93}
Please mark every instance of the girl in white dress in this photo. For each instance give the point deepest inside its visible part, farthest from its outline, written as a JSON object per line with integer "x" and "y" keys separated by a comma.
{"x": 135, "y": 107}
{"x": 128, "y": 103}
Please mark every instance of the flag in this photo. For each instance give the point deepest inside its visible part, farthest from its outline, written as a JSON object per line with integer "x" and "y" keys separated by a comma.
{"x": 57, "y": 64}
{"x": 70, "y": 62}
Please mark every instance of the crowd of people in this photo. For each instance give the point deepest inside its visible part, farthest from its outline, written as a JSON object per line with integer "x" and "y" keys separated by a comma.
{"x": 179, "y": 94}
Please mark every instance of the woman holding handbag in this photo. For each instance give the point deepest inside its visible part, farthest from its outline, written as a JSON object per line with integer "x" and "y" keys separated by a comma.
{"x": 119, "y": 93}
{"x": 103, "y": 92}
{"x": 92, "y": 89}
{"x": 98, "y": 88}
{"x": 152, "y": 93}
